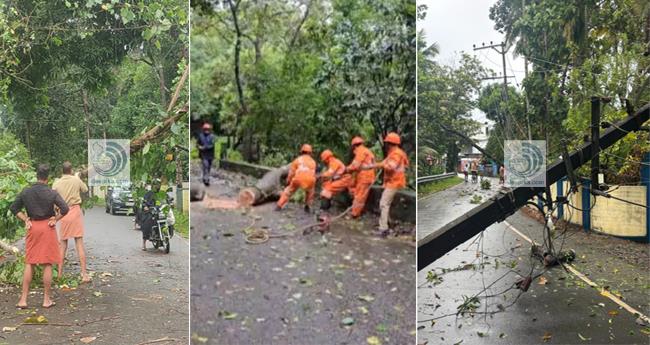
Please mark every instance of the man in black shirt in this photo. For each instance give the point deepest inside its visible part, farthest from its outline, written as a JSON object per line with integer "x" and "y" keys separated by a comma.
{"x": 205, "y": 142}
{"x": 41, "y": 243}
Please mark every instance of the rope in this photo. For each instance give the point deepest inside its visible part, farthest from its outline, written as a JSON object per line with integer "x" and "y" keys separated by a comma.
{"x": 260, "y": 236}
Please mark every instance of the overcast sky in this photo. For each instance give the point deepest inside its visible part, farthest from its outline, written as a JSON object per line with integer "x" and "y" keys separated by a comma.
{"x": 455, "y": 25}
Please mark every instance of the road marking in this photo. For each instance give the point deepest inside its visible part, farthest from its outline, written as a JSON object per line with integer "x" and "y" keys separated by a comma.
{"x": 589, "y": 282}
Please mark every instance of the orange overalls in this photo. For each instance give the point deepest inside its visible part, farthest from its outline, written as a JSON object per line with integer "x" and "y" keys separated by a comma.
{"x": 302, "y": 175}
{"x": 332, "y": 187}
{"x": 394, "y": 167}
{"x": 363, "y": 180}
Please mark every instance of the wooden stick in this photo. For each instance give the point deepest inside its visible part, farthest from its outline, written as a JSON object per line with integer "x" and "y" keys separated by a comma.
{"x": 161, "y": 340}
{"x": 81, "y": 324}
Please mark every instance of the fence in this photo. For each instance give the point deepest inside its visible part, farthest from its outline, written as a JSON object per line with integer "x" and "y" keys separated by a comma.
{"x": 605, "y": 215}
{"x": 432, "y": 178}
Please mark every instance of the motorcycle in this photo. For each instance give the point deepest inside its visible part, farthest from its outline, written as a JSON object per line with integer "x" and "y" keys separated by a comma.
{"x": 163, "y": 227}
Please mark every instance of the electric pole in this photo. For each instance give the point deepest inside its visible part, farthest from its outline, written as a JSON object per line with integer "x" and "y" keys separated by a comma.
{"x": 509, "y": 133}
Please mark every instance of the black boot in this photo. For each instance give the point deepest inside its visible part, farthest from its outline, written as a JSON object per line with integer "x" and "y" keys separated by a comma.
{"x": 325, "y": 204}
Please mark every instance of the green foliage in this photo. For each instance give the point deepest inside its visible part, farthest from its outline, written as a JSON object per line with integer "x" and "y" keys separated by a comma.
{"x": 486, "y": 184}
{"x": 446, "y": 96}
{"x": 16, "y": 173}
{"x": 579, "y": 49}
{"x": 326, "y": 72}
{"x": 100, "y": 70}
{"x": 110, "y": 64}
{"x": 182, "y": 225}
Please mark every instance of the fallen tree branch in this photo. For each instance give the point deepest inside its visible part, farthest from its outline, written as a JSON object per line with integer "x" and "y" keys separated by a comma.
{"x": 47, "y": 324}
{"x": 9, "y": 248}
{"x": 161, "y": 340}
{"x": 81, "y": 324}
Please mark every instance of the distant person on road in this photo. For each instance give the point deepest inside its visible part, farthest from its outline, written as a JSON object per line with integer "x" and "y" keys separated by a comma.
{"x": 429, "y": 160}
{"x": 206, "y": 142}
{"x": 70, "y": 187}
{"x": 363, "y": 178}
{"x": 502, "y": 174}
{"x": 41, "y": 243}
{"x": 394, "y": 166}
{"x": 481, "y": 171}
{"x": 302, "y": 175}
{"x": 335, "y": 180}
{"x": 465, "y": 170}
{"x": 474, "y": 170}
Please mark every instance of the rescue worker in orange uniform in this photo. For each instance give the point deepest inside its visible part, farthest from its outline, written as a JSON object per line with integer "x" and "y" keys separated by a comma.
{"x": 335, "y": 180}
{"x": 302, "y": 175}
{"x": 394, "y": 166}
{"x": 364, "y": 175}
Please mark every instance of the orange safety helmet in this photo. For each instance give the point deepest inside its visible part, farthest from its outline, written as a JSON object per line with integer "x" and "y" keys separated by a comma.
{"x": 206, "y": 126}
{"x": 393, "y": 138}
{"x": 306, "y": 148}
{"x": 357, "y": 140}
{"x": 325, "y": 155}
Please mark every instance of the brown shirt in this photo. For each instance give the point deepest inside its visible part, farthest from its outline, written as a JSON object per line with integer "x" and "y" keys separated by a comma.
{"x": 70, "y": 187}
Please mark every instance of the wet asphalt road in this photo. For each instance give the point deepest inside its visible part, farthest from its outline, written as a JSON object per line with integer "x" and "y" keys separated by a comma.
{"x": 295, "y": 290}
{"x": 564, "y": 310}
{"x": 456, "y": 201}
{"x": 135, "y": 296}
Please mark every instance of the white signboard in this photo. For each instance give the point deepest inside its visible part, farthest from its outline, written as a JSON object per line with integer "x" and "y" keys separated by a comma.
{"x": 525, "y": 163}
{"x": 109, "y": 162}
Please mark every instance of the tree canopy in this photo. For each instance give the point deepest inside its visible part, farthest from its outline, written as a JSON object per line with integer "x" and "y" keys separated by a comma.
{"x": 446, "y": 97}
{"x": 328, "y": 70}
{"x": 88, "y": 69}
{"x": 580, "y": 49}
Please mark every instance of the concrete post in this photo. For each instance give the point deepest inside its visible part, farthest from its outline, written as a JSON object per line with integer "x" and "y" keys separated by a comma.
{"x": 645, "y": 180}
{"x": 586, "y": 204}
{"x": 560, "y": 192}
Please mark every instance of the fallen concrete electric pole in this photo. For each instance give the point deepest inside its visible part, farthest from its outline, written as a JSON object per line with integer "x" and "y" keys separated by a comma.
{"x": 443, "y": 240}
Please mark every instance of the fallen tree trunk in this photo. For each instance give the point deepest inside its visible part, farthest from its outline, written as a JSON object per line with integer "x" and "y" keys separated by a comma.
{"x": 270, "y": 185}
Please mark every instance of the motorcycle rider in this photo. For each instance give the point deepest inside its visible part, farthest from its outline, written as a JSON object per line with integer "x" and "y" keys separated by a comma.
{"x": 147, "y": 219}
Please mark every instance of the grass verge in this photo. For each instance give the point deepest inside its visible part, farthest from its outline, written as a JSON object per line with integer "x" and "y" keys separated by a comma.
{"x": 182, "y": 225}
{"x": 437, "y": 186}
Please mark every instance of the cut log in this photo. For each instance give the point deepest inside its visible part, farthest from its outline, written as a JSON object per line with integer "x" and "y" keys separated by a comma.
{"x": 269, "y": 186}
{"x": 197, "y": 192}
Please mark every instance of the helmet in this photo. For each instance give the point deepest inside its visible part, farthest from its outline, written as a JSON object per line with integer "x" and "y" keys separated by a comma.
{"x": 325, "y": 155}
{"x": 206, "y": 126}
{"x": 393, "y": 138}
{"x": 357, "y": 140}
{"x": 306, "y": 148}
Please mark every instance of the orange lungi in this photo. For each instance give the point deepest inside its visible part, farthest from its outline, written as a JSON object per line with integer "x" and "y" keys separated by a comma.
{"x": 41, "y": 244}
{"x": 72, "y": 224}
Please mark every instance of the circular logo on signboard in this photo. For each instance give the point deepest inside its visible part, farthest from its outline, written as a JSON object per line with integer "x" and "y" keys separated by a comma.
{"x": 109, "y": 159}
{"x": 529, "y": 161}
